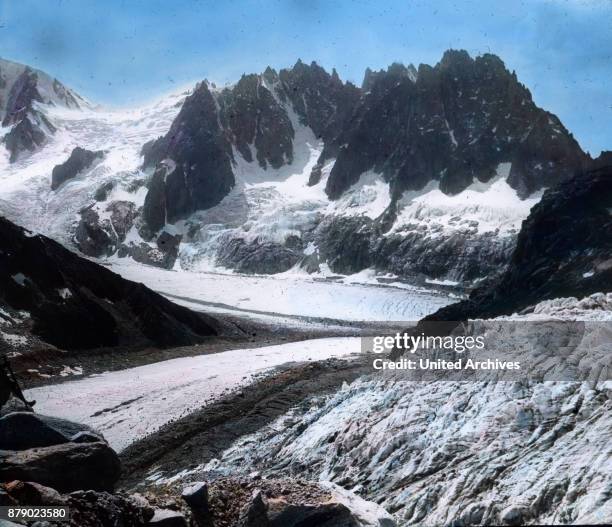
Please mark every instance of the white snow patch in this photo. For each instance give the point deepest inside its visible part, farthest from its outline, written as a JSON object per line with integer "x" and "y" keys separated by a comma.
{"x": 67, "y": 370}
{"x": 481, "y": 208}
{"x": 65, "y": 293}
{"x": 441, "y": 282}
{"x": 14, "y": 340}
{"x": 19, "y": 278}
{"x": 368, "y": 197}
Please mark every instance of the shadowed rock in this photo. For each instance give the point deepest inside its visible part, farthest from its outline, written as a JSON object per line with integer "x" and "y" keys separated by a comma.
{"x": 66, "y": 467}
{"x": 80, "y": 159}
{"x": 564, "y": 249}
{"x": 77, "y": 304}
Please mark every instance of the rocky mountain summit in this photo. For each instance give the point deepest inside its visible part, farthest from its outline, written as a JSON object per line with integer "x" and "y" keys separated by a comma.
{"x": 24, "y": 92}
{"x": 380, "y": 151}
{"x": 454, "y": 123}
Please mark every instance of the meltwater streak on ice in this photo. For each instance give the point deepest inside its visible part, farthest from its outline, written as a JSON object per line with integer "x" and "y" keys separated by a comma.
{"x": 130, "y": 404}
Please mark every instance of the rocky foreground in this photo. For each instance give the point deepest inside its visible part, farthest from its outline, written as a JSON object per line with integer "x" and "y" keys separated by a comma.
{"x": 53, "y": 462}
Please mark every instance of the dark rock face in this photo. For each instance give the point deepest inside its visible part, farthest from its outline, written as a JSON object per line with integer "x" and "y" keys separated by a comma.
{"x": 168, "y": 518}
{"x": 455, "y": 123}
{"x": 251, "y": 114}
{"x": 66, "y": 467}
{"x": 24, "y": 430}
{"x": 77, "y": 304}
{"x": 200, "y": 174}
{"x": 23, "y": 94}
{"x": 564, "y": 249}
{"x": 322, "y": 101}
{"x": 27, "y": 136}
{"x": 163, "y": 254}
{"x": 257, "y": 257}
{"x": 93, "y": 237}
{"x": 352, "y": 244}
{"x": 102, "y": 237}
{"x": 79, "y": 160}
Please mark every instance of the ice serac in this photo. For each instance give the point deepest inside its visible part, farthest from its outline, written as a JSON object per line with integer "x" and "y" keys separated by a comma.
{"x": 24, "y": 94}
{"x": 76, "y": 304}
{"x": 564, "y": 249}
{"x": 453, "y": 123}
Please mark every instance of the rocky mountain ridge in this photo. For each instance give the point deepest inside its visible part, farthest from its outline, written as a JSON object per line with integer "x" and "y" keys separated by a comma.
{"x": 72, "y": 303}
{"x": 454, "y": 122}
{"x": 421, "y": 173}
{"x": 23, "y": 91}
{"x": 461, "y": 124}
{"x": 563, "y": 250}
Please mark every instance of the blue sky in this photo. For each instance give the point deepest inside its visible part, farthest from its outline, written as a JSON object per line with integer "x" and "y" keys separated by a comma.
{"x": 124, "y": 51}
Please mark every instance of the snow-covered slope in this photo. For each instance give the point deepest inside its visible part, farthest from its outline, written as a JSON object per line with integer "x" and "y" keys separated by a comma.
{"x": 273, "y": 206}
{"x": 352, "y": 299}
{"x": 25, "y": 191}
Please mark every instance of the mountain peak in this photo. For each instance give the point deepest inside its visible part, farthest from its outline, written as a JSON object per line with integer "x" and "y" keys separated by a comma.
{"x": 21, "y": 87}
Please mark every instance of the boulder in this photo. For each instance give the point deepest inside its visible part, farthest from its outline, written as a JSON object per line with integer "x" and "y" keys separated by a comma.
{"x": 86, "y": 437}
{"x": 79, "y": 160}
{"x": 24, "y": 430}
{"x": 5, "y": 498}
{"x": 255, "y": 514}
{"x": 328, "y": 514}
{"x": 168, "y": 518}
{"x": 87, "y": 508}
{"x": 14, "y": 405}
{"x": 101, "y": 509}
{"x": 30, "y": 493}
{"x": 66, "y": 467}
{"x": 196, "y": 496}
